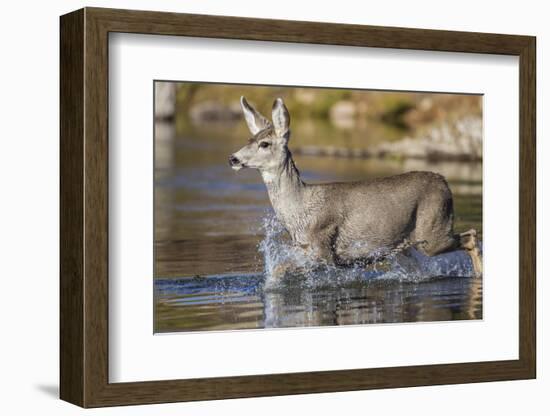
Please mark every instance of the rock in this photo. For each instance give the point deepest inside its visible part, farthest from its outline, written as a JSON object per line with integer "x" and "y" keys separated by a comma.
{"x": 461, "y": 140}
{"x": 343, "y": 114}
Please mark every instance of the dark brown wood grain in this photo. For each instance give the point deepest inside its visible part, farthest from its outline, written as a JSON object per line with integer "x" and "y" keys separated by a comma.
{"x": 527, "y": 207}
{"x": 84, "y": 207}
{"x": 72, "y": 215}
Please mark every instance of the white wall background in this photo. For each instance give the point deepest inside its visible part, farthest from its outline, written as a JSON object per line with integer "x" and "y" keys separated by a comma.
{"x": 29, "y": 159}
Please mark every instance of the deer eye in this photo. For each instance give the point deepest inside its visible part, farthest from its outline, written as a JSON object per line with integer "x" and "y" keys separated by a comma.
{"x": 264, "y": 145}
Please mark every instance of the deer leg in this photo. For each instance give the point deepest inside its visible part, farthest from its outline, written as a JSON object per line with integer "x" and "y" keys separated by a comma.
{"x": 282, "y": 269}
{"x": 318, "y": 251}
{"x": 322, "y": 245}
{"x": 468, "y": 242}
{"x": 406, "y": 244}
{"x": 323, "y": 252}
{"x": 465, "y": 241}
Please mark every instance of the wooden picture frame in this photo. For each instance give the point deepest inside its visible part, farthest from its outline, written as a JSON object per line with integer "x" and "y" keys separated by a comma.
{"x": 84, "y": 207}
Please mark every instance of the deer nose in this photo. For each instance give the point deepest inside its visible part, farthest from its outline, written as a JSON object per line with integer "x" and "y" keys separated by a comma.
{"x": 233, "y": 160}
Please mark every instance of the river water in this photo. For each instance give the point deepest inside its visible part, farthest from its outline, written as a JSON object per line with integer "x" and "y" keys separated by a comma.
{"x": 215, "y": 236}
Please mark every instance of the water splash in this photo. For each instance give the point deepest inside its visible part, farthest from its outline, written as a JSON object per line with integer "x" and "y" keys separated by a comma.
{"x": 278, "y": 251}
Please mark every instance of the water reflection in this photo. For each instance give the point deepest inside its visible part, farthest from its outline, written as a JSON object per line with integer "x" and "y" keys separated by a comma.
{"x": 239, "y": 302}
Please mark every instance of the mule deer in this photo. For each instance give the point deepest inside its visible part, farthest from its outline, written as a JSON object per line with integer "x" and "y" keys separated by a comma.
{"x": 351, "y": 222}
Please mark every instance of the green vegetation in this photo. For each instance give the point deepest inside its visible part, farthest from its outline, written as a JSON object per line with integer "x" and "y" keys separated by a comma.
{"x": 395, "y": 112}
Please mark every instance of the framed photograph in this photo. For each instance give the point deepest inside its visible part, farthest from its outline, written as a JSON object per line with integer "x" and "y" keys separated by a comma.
{"x": 260, "y": 207}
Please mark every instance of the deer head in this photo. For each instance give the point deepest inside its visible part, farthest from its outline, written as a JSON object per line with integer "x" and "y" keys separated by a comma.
{"x": 267, "y": 148}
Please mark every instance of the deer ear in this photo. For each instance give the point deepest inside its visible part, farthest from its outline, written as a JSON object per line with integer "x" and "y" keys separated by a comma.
{"x": 281, "y": 119}
{"x": 255, "y": 121}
